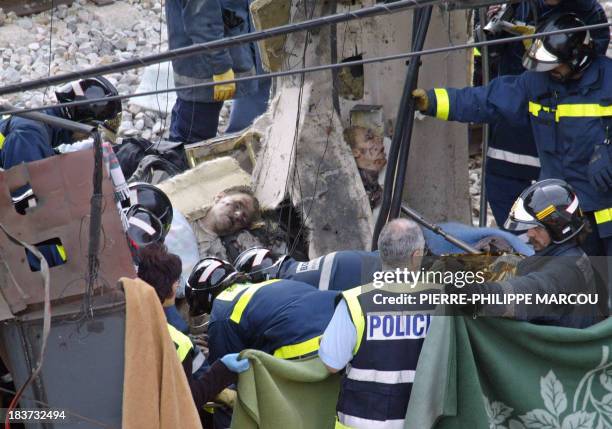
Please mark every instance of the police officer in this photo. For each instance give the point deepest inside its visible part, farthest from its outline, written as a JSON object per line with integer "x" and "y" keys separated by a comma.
{"x": 513, "y": 162}
{"x": 275, "y": 316}
{"x": 379, "y": 339}
{"x": 341, "y": 270}
{"x": 550, "y": 213}
{"x": 565, "y": 98}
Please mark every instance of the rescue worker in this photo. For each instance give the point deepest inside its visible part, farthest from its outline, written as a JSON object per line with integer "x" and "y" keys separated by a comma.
{"x": 377, "y": 342}
{"x": 195, "y": 115}
{"x": 513, "y": 162}
{"x": 161, "y": 270}
{"x": 550, "y": 212}
{"x": 341, "y": 270}
{"x": 565, "y": 98}
{"x": 153, "y": 199}
{"x": 26, "y": 140}
{"x": 275, "y": 316}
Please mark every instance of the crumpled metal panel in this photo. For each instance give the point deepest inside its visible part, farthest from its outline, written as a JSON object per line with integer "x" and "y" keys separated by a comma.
{"x": 63, "y": 188}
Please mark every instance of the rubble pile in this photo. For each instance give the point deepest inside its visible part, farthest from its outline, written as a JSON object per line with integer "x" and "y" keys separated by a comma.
{"x": 82, "y": 36}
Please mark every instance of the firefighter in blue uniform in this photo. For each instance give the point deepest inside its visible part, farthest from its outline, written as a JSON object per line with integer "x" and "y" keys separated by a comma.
{"x": 275, "y": 316}
{"x": 26, "y": 140}
{"x": 341, "y": 270}
{"x": 513, "y": 162}
{"x": 566, "y": 98}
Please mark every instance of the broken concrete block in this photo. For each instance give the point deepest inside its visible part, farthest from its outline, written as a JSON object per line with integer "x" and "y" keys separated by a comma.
{"x": 269, "y": 14}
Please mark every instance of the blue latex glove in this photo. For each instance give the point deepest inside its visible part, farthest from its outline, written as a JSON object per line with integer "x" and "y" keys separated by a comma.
{"x": 234, "y": 364}
{"x": 600, "y": 167}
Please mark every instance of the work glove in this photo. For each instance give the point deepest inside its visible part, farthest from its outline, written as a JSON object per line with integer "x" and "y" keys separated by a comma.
{"x": 600, "y": 167}
{"x": 421, "y": 100}
{"x": 234, "y": 364}
{"x": 227, "y": 90}
{"x": 227, "y": 397}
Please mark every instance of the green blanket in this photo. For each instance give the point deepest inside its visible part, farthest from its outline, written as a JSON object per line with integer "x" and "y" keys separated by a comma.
{"x": 502, "y": 374}
{"x": 276, "y": 393}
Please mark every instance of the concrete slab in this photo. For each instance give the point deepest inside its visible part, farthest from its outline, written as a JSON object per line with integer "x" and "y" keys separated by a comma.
{"x": 193, "y": 191}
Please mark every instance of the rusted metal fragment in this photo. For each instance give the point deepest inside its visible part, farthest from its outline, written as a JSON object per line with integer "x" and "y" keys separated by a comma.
{"x": 63, "y": 187}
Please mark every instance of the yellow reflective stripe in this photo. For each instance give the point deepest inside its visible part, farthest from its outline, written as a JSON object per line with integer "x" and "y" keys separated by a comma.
{"x": 244, "y": 299}
{"x": 442, "y": 103}
{"x": 2, "y": 141}
{"x": 582, "y": 111}
{"x": 340, "y": 425}
{"x": 356, "y": 313}
{"x": 477, "y": 52}
{"x": 61, "y": 251}
{"x": 296, "y": 350}
{"x": 182, "y": 341}
{"x": 572, "y": 110}
{"x": 543, "y": 213}
{"x": 231, "y": 292}
{"x": 534, "y": 108}
{"x": 603, "y": 216}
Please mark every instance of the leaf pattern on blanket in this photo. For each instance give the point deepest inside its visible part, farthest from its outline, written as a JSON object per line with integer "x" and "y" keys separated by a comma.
{"x": 588, "y": 411}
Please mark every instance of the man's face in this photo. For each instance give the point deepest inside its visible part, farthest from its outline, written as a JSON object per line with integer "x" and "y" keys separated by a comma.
{"x": 368, "y": 149}
{"x": 561, "y": 73}
{"x": 539, "y": 238}
{"x": 231, "y": 213}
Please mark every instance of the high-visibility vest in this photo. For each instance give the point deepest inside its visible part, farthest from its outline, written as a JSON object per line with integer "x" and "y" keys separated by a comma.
{"x": 389, "y": 341}
{"x": 181, "y": 341}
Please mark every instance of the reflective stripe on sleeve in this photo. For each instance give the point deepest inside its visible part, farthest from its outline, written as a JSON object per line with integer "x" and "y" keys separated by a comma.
{"x": 245, "y": 298}
{"x": 356, "y": 313}
{"x": 296, "y": 350}
{"x": 2, "y": 141}
{"x": 62, "y": 252}
{"x": 442, "y": 103}
{"x": 515, "y": 158}
{"x": 603, "y": 216}
{"x": 326, "y": 271}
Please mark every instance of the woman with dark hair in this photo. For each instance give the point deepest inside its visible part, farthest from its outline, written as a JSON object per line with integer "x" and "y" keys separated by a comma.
{"x": 162, "y": 270}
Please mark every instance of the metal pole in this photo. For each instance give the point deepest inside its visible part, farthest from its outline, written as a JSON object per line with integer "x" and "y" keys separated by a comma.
{"x": 486, "y": 72}
{"x": 418, "y": 218}
{"x": 380, "y": 9}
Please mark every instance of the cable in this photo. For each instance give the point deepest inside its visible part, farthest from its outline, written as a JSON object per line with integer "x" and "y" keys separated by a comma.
{"x": 401, "y": 56}
{"x": 220, "y": 44}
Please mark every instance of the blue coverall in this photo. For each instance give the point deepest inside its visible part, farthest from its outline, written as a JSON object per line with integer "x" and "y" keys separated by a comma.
{"x": 567, "y": 120}
{"x": 513, "y": 162}
{"x": 25, "y": 140}
{"x": 342, "y": 270}
{"x": 276, "y": 317}
{"x": 195, "y": 115}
